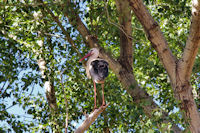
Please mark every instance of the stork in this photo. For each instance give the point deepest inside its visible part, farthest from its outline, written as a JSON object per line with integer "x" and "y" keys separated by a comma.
{"x": 97, "y": 69}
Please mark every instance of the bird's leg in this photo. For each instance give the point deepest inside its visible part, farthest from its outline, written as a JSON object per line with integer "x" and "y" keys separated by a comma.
{"x": 103, "y": 101}
{"x": 95, "y": 106}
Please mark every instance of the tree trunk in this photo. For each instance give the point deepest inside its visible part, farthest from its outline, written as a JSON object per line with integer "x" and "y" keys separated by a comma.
{"x": 183, "y": 93}
{"x": 179, "y": 71}
{"x": 125, "y": 29}
{"x": 48, "y": 85}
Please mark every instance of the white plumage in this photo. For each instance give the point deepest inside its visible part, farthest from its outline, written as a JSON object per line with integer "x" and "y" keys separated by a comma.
{"x": 97, "y": 69}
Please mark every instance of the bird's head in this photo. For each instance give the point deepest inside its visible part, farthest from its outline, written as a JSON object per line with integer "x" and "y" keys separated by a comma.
{"x": 93, "y": 52}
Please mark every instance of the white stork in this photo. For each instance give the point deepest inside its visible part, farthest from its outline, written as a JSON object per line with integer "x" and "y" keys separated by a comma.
{"x": 97, "y": 69}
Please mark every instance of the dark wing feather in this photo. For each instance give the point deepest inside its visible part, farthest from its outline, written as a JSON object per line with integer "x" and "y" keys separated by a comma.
{"x": 100, "y": 69}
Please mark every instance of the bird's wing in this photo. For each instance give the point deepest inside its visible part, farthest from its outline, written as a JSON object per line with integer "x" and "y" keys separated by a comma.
{"x": 100, "y": 68}
{"x": 88, "y": 70}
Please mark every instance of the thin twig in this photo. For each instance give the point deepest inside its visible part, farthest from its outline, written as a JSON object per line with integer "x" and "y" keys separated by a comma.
{"x": 10, "y": 106}
{"x": 66, "y": 101}
{"x": 54, "y": 35}
{"x": 3, "y": 88}
{"x": 118, "y": 26}
{"x": 31, "y": 90}
{"x": 68, "y": 38}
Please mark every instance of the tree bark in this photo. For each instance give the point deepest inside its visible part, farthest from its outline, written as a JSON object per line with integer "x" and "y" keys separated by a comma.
{"x": 179, "y": 71}
{"x": 155, "y": 36}
{"x": 50, "y": 92}
{"x": 192, "y": 45}
{"x": 49, "y": 89}
{"x": 183, "y": 87}
{"x": 90, "y": 119}
{"x": 126, "y": 44}
{"x": 183, "y": 93}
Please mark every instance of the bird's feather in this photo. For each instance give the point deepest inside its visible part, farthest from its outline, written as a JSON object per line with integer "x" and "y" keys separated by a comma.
{"x": 99, "y": 70}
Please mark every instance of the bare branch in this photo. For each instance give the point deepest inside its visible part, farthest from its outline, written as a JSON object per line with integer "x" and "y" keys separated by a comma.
{"x": 90, "y": 119}
{"x": 193, "y": 42}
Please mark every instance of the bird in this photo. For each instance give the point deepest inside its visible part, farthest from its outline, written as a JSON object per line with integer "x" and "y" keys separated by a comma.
{"x": 97, "y": 69}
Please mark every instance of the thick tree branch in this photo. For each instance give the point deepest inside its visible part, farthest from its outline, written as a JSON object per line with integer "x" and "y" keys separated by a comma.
{"x": 179, "y": 72}
{"x": 126, "y": 46}
{"x": 155, "y": 36}
{"x": 115, "y": 24}
{"x": 90, "y": 119}
{"x": 193, "y": 42}
{"x": 90, "y": 40}
{"x": 127, "y": 78}
{"x": 183, "y": 89}
{"x": 47, "y": 76}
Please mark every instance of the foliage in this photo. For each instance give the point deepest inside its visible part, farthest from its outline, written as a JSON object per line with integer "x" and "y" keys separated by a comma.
{"x": 24, "y": 24}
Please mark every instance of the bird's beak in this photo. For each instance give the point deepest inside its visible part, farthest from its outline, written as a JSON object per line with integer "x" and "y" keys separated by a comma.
{"x": 89, "y": 54}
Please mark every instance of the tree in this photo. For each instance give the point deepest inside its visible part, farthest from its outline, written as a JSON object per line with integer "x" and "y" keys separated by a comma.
{"x": 153, "y": 81}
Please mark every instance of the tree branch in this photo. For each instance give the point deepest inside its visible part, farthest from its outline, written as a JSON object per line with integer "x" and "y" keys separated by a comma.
{"x": 49, "y": 89}
{"x": 56, "y": 19}
{"x": 115, "y": 24}
{"x": 48, "y": 85}
{"x": 193, "y": 42}
{"x": 155, "y": 36}
{"x": 126, "y": 78}
{"x": 90, "y": 119}
{"x": 66, "y": 100}
{"x": 90, "y": 40}
{"x": 177, "y": 71}
{"x": 126, "y": 45}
